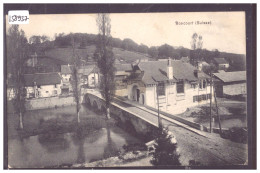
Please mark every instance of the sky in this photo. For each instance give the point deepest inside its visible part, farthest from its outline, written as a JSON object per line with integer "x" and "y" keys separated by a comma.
{"x": 224, "y": 31}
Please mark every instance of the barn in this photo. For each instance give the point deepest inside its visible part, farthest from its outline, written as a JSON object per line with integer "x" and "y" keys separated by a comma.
{"x": 230, "y": 83}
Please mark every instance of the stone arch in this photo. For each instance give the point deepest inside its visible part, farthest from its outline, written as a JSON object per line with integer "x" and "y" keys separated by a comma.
{"x": 95, "y": 106}
{"x": 103, "y": 109}
{"x": 87, "y": 100}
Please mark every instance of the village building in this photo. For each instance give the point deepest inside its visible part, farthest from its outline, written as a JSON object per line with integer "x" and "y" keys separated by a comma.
{"x": 203, "y": 64}
{"x": 221, "y": 63}
{"x": 66, "y": 77}
{"x": 230, "y": 83}
{"x": 42, "y": 85}
{"x": 172, "y": 84}
{"x": 89, "y": 77}
{"x": 122, "y": 72}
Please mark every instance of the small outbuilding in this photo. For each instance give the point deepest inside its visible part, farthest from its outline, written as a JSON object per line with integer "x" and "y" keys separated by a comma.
{"x": 230, "y": 83}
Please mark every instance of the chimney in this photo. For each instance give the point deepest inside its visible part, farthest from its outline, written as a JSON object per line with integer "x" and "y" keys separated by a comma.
{"x": 169, "y": 69}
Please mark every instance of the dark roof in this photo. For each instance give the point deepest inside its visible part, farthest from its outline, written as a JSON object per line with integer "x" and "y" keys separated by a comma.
{"x": 220, "y": 61}
{"x": 42, "y": 79}
{"x": 123, "y": 67}
{"x": 231, "y": 76}
{"x": 155, "y": 71}
{"x": 86, "y": 70}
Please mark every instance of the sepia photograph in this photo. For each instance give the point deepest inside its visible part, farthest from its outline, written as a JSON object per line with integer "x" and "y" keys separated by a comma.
{"x": 121, "y": 90}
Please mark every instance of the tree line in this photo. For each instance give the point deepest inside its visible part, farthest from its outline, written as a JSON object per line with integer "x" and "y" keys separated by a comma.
{"x": 196, "y": 51}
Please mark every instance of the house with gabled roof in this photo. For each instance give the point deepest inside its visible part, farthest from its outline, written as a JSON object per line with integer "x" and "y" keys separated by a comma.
{"x": 230, "y": 83}
{"x": 122, "y": 72}
{"x": 221, "y": 63}
{"x": 172, "y": 85}
{"x": 88, "y": 74}
{"x": 42, "y": 85}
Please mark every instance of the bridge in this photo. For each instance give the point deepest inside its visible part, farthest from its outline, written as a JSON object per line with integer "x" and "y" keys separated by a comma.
{"x": 193, "y": 143}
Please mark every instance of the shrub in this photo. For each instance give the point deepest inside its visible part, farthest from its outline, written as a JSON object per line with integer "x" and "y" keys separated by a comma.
{"x": 165, "y": 152}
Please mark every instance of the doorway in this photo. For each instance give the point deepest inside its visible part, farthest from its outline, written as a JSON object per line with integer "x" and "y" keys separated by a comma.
{"x": 137, "y": 95}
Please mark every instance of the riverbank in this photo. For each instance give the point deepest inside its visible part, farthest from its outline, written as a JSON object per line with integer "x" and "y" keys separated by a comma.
{"x": 131, "y": 158}
{"x": 53, "y": 137}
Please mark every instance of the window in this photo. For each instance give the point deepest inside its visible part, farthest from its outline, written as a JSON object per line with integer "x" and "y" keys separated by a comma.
{"x": 180, "y": 87}
{"x": 199, "y": 98}
{"x": 202, "y": 84}
{"x": 161, "y": 89}
{"x": 195, "y": 98}
{"x": 55, "y": 86}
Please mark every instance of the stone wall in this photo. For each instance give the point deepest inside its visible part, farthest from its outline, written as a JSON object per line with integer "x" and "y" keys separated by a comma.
{"x": 50, "y": 102}
{"x": 127, "y": 121}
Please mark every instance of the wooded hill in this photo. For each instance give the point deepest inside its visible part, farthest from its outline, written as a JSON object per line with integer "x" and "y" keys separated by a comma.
{"x": 128, "y": 51}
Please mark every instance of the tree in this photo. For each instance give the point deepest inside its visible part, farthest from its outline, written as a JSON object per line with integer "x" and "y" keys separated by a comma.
{"x": 17, "y": 54}
{"x": 105, "y": 60}
{"x": 165, "y": 152}
{"x": 165, "y": 51}
{"x": 143, "y": 48}
{"x": 83, "y": 43}
{"x": 196, "y": 49}
{"x": 129, "y": 45}
{"x": 75, "y": 79}
{"x": 153, "y": 52}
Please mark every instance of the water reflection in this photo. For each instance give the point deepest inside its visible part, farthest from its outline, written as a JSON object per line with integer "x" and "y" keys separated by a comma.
{"x": 81, "y": 154}
{"x": 111, "y": 148}
{"x": 53, "y": 142}
{"x": 67, "y": 148}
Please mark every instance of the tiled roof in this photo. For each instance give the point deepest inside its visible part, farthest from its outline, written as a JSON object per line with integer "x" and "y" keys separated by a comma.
{"x": 155, "y": 71}
{"x": 231, "y": 76}
{"x": 42, "y": 79}
{"x": 220, "y": 61}
{"x": 123, "y": 67}
{"x": 86, "y": 70}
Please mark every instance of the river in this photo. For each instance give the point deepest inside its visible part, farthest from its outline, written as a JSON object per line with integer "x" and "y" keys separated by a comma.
{"x": 52, "y": 149}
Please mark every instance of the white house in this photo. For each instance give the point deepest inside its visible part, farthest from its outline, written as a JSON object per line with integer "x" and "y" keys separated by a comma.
{"x": 177, "y": 84}
{"x": 66, "y": 77}
{"x": 221, "y": 63}
{"x": 42, "y": 85}
{"x": 122, "y": 72}
{"x": 89, "y": 75}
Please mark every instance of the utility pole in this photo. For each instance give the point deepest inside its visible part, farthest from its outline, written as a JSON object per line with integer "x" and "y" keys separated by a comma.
{"x": 220, "y": 130}
{"x": 159, "y": 120}
{"x": 210, "y": 125}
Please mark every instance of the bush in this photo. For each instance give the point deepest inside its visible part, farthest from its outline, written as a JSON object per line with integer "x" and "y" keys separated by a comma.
{"x": 165, "y": 152}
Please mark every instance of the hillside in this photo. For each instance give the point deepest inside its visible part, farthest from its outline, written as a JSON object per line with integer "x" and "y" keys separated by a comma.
{"x": 65, "y": 54}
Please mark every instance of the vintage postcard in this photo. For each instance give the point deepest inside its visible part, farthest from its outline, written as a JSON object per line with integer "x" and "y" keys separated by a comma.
{"x": 146, "y": 90}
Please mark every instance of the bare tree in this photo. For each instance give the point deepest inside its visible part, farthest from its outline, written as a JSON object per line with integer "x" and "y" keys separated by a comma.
{"x": 17, "y": 54}
{"x": 105, "y": 60}
{"x": 196, "y": 46}
{"x": 75, "y": 79}
{"x": 194, "y": 41}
